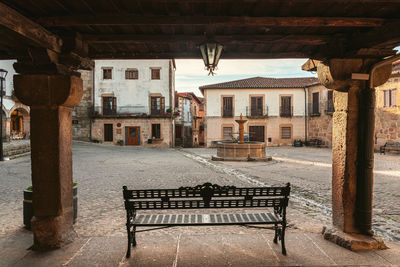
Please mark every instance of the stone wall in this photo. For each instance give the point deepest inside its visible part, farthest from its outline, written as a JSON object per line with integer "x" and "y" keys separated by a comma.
{"x": 119, "y": 124}
{"x": 321, "y": 128}
{"x": 81, "y": 113}
{"x": 387, "y": 118}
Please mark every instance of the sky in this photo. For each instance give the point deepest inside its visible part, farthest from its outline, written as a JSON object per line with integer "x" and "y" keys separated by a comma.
{"x": 190, "y": 73}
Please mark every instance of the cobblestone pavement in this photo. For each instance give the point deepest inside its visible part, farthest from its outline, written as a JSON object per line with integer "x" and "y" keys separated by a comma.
{"x": 309, "y": 171}
{"x": 101, "y": 171}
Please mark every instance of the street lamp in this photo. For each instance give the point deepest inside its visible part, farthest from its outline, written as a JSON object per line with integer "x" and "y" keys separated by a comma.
{"x": 3, "y": 74}
{"x": 211, "y": 52}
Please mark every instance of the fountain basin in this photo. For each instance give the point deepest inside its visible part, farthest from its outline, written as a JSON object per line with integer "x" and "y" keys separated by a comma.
{"x": 248, "y": 151}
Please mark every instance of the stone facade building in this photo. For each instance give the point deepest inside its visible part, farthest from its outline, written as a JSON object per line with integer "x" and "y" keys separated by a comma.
{"x": 320, "y": 110}
{"x": 134, "y": 102}
{"x": 16, "y": 117}
{"x": 187, "y": 124}
{"x": 81, "y": 113}
{"x": 183, "y": 120}
{"x": 275, "y": 109}
{"x": 387, "y": 112}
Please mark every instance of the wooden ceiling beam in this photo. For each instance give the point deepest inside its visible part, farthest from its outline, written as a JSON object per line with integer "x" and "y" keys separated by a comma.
{"x": 29, "y": 30}
{"x": 141, "y": 38}
{"x": 195, "y": 55}
{"x": 118, "y": 19}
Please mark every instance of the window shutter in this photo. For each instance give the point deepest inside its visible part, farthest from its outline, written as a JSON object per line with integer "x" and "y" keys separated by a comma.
{"x": 162, "y": 99}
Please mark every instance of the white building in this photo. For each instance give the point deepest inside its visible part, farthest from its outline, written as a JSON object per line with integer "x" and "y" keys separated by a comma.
{"x": 16, "y": 120}
{"x": 275, "y": 109}
{"x": 134, "y": 102}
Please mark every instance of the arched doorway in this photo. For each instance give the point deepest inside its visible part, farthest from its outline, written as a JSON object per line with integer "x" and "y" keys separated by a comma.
{"x": 19, "y": 124}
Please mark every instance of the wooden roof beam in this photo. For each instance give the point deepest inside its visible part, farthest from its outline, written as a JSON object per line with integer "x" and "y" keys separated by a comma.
{"x": 118, "y": 19}
{"x": 26, "y": 28}
{"x": 139, "y": 38}
{"x": 195, "y": 55}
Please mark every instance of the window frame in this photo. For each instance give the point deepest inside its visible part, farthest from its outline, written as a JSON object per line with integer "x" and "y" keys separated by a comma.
{"x": 133, "y": 70}
{"x": 103, "y": 69}
{"x": 233, "y": 106}
{"x": 262, "y": 105}
{"x": 223, "y": 133}
{"x": 281, "y": 127}
{"x": 157, "y": 134}
{"x": 152, "y": 77}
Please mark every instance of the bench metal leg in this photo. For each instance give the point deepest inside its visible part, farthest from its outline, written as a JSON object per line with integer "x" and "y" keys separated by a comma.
{"x": 283, "y": 240}
{"x": 128, "y": 252}
{"x": 134, "y": 236}
{"x": 276, "y": 234}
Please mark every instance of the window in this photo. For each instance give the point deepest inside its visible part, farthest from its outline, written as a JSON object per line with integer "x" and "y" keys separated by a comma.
{"x": 227, "y": 107}
{"x": 227, "y": 132}
{"x": 155, "y": 74}
{"x": 315, "y": 104}
{"x": 156, "y": 131}
{"x": 107, "y": 73}
{"x": 157, "y": 105}
{"x": 389, "y": 98}
{"x": 131, "y": 74}
{"x": 256, "y": 106}
{"x": 109, "y": 105}
{"x": 286, "y": 132}
{"x": 286, "y": 106}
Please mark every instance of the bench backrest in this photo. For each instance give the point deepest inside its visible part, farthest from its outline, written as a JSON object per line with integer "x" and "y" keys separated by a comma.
{"x": 207, "y": 196}
{"x": 392, "y": 144}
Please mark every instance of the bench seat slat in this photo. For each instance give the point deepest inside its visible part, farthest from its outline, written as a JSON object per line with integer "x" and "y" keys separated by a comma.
{"x": 206, "y": 219}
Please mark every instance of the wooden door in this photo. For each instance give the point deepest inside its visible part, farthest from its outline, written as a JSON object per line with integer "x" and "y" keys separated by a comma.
{"x": 108, "y": 132}
{"x": 257, "y": 133}
{"x": 132, "y": 134}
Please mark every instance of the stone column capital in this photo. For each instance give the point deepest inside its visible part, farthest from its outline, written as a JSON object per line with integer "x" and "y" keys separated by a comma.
{"x": 337, "y": 73}
{"x": 48, "y": 90}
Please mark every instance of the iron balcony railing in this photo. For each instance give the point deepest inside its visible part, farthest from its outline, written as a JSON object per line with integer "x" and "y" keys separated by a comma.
{"x": 329, "y": 107}
{"x": 314, "y": 109}
{"x": 256, "y": 112}
{"x": 131, "y": 111}
{"x": 285, "y": 111}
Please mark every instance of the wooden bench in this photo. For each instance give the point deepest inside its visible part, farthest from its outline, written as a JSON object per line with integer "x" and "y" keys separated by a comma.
{"x": 206, "y": 196}
{"x": 390, "y": 146}
{"x": 314, "y": 142}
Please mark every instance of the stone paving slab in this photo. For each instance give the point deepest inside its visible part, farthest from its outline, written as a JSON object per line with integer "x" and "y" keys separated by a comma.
{"x": 191, "y": 249}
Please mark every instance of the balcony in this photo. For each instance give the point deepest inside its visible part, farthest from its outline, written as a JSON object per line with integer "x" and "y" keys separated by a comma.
{"x": 256, "y": 113}
{"x": 131, "y": 111}
{"x": 286, "y": 111}
{"x": 314, "y": 109}
{"x": 329, "y": 107}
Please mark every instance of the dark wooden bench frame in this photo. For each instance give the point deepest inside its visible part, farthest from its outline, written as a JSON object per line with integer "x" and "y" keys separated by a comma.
{"x": 207, "y": 196}
{"x": 314, "y": 142}
{"x": 394, "y": 146}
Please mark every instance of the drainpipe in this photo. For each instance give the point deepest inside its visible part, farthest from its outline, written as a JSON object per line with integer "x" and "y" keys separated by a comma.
{"x": 365, "y": 157}
{"x": 305, "y": 115}
{"x": 93, "y": 88}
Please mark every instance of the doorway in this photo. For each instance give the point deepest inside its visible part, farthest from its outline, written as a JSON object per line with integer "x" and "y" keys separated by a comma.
{"x": 257, "y": 133}
{"x": 108, "y": 132}
{"x": 132, "y": 135}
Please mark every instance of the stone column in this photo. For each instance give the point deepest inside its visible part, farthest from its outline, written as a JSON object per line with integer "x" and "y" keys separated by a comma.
{"x": 50, "y": 98}
{"x": 352, "y": 148}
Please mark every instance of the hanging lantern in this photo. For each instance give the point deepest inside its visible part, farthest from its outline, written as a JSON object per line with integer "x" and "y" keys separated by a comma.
{"x": 211, "y": 52}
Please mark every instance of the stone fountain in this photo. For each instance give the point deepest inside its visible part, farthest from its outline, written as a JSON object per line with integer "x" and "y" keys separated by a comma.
{"x": 241, "y": 150}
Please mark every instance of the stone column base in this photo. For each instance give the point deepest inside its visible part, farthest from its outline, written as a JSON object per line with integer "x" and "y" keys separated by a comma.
{"x": 51, "y": 232}
{"x": 354, "y": 242}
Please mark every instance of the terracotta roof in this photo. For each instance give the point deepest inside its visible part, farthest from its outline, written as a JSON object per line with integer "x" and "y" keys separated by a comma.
{"x": 189, "y": 95}
{"x": 262, "y": 82}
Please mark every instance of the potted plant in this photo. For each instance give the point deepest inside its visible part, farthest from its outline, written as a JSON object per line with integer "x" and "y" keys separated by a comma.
{"x": 28, "y": 206}
{"x": 120, "y": 142}
{"x": 297, "y": 143}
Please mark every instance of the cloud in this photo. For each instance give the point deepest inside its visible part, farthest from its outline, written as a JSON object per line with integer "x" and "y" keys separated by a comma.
{"x": 190, "y": 73}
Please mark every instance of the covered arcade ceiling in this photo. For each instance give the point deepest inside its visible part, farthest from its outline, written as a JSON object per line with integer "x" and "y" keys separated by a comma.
{"x": 77, "y": 30}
